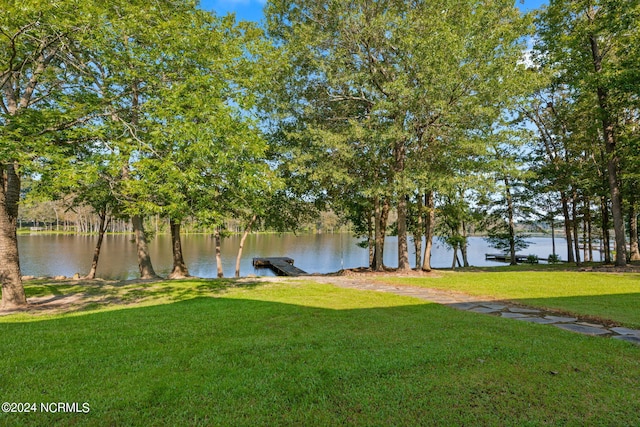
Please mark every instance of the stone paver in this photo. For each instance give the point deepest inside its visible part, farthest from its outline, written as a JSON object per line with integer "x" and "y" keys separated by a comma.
{"x": 523, "y": 310}
{"x": 626, "y": 331}
{"x": 498, "y": 307}
{"x": 489, "y": 306}
{"x": 484, "y": 310}
{"x": 593, "y": 325}
{"x": 560, "y": 319}
{"x": 540, "y": 320}
{"x": 582, "y": 329}
{"x": 463, "y": 305}
{"x": 513, "y": 315}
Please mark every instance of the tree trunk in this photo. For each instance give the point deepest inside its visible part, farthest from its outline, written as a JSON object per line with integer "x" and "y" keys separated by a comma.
{"x": 585, "y": 226}
{"x": 455, "y": 256}
{"x": 382, "y": 214}
{"x": 616, "y": 195}
{"x": 417, "y": 233}
{"x": 13, "y": 295}
{"x": 144, "y": 259}
{"x": 613, "y": 163}
{"x": 57, "y": 219}
{"x": 218, "y": 255}
{"x": 403, "y": 247}
{"x": 102, "y": 228}
{"x": 606, "y": 241}
{"x": 465, "y": 246}
{"x": 378, "y": 239}
{"x": 429, "y": 226}
{"x": 400, "y": 154}
{"x": 247, "y": 230}
{"x": 512, "y": 228}
{"x": 634, "y": 249}
{"x": 574, "y": 224}
{"x": 587, "y": 220}
{"x": 370, "y": 240}
{"x": 585, "y": 241}
{"x": 567, "y": 226}
{"x": 553, "y": 237}
{"x": 180, "y": 269}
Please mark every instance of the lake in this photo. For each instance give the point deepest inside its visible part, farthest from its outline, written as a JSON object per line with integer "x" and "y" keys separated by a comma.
{"x": 53, "y": 255}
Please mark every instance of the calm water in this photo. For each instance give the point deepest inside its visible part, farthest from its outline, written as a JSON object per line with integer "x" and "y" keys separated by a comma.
{"x": 51, "y": 255}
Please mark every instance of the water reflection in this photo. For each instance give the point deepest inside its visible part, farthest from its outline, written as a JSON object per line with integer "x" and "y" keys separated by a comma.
{"x": 315, "y": 253}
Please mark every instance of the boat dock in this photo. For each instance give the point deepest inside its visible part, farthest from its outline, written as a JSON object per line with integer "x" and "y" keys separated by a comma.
{"x": 520, "y": 258}
{"x": 507, "y": 257}
{"x": 282, "y": 266}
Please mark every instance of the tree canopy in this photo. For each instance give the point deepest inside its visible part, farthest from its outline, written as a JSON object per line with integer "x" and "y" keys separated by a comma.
{"x": 421, "y": 119}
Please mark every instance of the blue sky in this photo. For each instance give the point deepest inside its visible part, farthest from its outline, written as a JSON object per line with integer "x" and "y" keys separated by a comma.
{"x": 251, "y": 10}
{"x": 245, "y": 10}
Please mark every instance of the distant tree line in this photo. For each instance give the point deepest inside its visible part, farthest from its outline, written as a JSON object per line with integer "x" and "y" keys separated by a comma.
{"x": 411, "y": 118}
{"x": 57, "y": 216}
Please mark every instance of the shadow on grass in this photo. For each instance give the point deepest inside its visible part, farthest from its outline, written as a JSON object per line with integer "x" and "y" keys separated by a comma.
{"x": 88, "y": 296}
{"x": 214, "y": 361}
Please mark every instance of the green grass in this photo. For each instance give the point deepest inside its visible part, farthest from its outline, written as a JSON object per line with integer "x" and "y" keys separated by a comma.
{"x": 297, "y": 353}
{"x": 609, "y": 296}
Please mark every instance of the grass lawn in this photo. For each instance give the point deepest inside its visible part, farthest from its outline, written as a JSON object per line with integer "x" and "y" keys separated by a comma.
{"x": 610, "y": 296}
{"x": 300, "y": 353}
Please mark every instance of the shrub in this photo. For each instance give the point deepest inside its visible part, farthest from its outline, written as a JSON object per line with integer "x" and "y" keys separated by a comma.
{"x": 554, "y": 259}
{"x": 532, "y": 259}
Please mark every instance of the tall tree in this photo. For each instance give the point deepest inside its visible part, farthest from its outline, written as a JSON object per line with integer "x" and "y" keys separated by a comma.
{"x": 508, "y": 202}
{"x": 586, "y": 43}
{"x": 383, "y": 80}
{"x": 40, "y": 76}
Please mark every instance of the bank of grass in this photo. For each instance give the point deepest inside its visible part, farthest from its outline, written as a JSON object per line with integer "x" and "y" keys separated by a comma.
{"x": 210, "y": 352}
{"x": 610, "y": 296}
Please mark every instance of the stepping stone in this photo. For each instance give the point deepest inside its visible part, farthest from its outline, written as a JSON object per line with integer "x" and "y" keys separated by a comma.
{"x": 628, "y": 338}
{"x": 582, "y": 329}
{"x": 523, "y": 310}
{"x": 514, "y": 315}
{"x": 443, "y": 301}
{"x": 626, "y": 331}
{"x": 463, "y": 305}
{"x": 539, "y": 320}
{"x": 593, "y": 325}
{"x": 559, "y": 319}
{"x": 496, "y": 307}
{"x": 484, "y": 310}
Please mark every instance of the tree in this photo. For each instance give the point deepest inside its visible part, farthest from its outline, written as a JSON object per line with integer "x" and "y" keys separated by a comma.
{"x": 82, "y": 180}
{"x": 586, "y": 43}
{"x": 510, "y": 203}
{"x": 134, "y": 58}
{"x": 454, "y": 214}
{"x": 376, "y": 86}
{"x": 41, "y": 74}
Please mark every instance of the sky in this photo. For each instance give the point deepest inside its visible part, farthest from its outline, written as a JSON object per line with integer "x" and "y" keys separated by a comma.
{"x": 251, "y": 10}
{"x": 245, "y": 10}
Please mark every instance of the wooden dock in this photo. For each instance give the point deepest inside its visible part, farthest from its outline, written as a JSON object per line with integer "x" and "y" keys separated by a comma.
{"x": 507, "y": 257}
{"x": 282, "y": 266}
{"x": 520, "y": 258}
